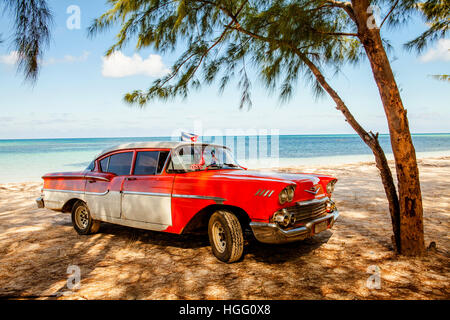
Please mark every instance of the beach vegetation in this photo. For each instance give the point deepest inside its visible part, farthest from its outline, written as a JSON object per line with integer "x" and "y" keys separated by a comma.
{"x": 32, "y": 21}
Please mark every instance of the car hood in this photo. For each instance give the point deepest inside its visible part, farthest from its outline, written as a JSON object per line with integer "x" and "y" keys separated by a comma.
{"x": 268, "y": 176}
{"x": 308, "y": 186}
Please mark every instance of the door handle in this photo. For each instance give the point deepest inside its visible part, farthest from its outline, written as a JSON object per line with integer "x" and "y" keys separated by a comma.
{"x": 131, "y": 179}
{"x": 92, "y": 181}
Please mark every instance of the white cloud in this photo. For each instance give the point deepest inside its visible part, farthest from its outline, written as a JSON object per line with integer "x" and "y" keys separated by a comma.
{"x": 441, "y": 52}
{"x": 118, "y": 65}
{"x": 13, "y": 56}
{"x": 67, "y": 59}
{"x": 10, "y": 58}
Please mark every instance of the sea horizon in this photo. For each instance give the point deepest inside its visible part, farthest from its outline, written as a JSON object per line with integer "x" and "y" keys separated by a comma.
{"x": 28, "y": 159}
{"x": 166, "y": 136}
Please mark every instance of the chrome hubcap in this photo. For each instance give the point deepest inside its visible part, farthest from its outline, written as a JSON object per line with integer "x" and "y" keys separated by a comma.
{"x": 82, "y": 217}
{"x": 218, "y": 234}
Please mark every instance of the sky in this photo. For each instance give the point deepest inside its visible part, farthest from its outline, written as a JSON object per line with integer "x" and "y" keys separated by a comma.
{"x": 79, "y": 92}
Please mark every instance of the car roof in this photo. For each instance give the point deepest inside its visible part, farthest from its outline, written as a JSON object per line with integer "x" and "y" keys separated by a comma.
{"x": 153, "y": 144}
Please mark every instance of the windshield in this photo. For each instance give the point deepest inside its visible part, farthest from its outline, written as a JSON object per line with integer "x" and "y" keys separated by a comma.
{"x": 201, "y": 157}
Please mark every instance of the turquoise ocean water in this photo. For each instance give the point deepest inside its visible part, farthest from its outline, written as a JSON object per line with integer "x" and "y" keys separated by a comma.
{"x": 28, "y": 160}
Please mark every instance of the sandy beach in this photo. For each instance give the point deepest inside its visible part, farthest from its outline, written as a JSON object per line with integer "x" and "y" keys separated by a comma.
{"x": 38, "y": 245}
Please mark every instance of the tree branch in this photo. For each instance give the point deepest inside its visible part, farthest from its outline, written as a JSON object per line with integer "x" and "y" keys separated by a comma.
{"x": 347, "y": 6}
{"x": 208, "y": 50}
{"x": 390, "y": 11}
{"x": 175, "y": 72}
{"x": 337, "y": 33}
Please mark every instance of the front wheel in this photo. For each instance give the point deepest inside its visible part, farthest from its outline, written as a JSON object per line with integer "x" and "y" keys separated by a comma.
{"x": 82, "y": 220}
{"x": 226, "y": 237}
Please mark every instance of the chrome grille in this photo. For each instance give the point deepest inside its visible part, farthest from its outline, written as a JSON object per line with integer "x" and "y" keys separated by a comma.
{"x": 308, "y": 211}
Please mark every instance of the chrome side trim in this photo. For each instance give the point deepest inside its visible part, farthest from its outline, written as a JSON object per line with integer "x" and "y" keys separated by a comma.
{"x": 98, "y": 193}
{"x": 155, "y": 194}
{"x": 188, "y": 196}
{"x": 98, "y": 178}
{"x": 78, "y": 192}
{"x": 77, "y": 176}
{"x": 65, "y": 191}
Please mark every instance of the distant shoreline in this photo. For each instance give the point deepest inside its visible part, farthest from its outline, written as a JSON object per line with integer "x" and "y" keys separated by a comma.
{"x": 28, "y": 160}
{"x": 165, "y": 136}
{"x": 318, "y": 163}
{"x": 351, "y": 159}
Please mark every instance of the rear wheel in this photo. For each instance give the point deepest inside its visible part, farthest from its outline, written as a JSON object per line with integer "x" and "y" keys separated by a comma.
{"x": 82, "y": 220}
{"x": 226, "y": 237}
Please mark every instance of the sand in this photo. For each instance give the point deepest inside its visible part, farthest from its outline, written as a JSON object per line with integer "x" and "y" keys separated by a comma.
{"x": 38, "y": 245}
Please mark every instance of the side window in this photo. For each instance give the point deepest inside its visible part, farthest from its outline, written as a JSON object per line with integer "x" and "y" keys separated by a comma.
{"x": 104, "y": 164}
{"x": 120, "y": 163}
{"x": 162, "y": 160}
{"x": 146, "y": 162}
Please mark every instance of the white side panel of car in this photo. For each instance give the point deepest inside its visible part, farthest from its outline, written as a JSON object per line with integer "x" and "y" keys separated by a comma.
{"x": 151, "y": 208}
{"x": 55, "y": 199}
{"x": 136, "y": 224}
{"x": 143, "y": 210}
{"x": 105, "y": 205}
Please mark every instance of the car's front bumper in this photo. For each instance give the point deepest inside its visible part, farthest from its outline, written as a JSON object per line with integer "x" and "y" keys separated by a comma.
{"x": 272, "y": 233}
{"x": 40, "y": 202}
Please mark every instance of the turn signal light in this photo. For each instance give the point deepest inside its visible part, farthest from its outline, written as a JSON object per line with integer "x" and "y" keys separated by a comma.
{"x": 330, "y": 206}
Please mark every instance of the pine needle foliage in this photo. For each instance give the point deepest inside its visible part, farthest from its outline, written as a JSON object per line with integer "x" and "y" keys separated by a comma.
{"x": 222, "y": 39}
{"x": 32, "y": 20}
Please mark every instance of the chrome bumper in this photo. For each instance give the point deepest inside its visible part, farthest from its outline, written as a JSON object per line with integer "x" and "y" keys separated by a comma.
{"x": 272, "y": 233}
{"x": 40, "y": 202}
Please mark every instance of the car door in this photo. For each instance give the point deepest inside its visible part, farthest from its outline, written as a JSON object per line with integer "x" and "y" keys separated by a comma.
{"x": 147, "y": 193}
{"x": 103, "y": 187}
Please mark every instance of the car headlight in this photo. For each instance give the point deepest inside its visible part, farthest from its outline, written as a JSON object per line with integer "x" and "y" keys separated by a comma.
{"x": 283, "y": 196}
{"x": 330, "y": 186}
{"x": 290, "y": 192}
{"x": 287, "y": 194}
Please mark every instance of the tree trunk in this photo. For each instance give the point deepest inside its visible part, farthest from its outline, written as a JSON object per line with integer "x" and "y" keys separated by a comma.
{"x": 372, "y": 141}
{"x": 409, "y": 194}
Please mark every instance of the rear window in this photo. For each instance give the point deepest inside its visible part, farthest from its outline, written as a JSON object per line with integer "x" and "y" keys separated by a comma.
{"x": 146, "y": 162}
{"x": 150, "y": 162}
{"x": 119, "y": 163}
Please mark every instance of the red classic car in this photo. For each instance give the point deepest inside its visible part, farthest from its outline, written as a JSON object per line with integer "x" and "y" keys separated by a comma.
{"x": 182, "y": 187}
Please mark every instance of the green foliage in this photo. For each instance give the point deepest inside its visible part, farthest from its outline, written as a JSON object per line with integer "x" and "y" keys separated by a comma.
{"x": 441, "y": 77}
{"x": 32, "y": 21}
{"x": 437, "y": 16}
{"x": 223, "y": 39}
